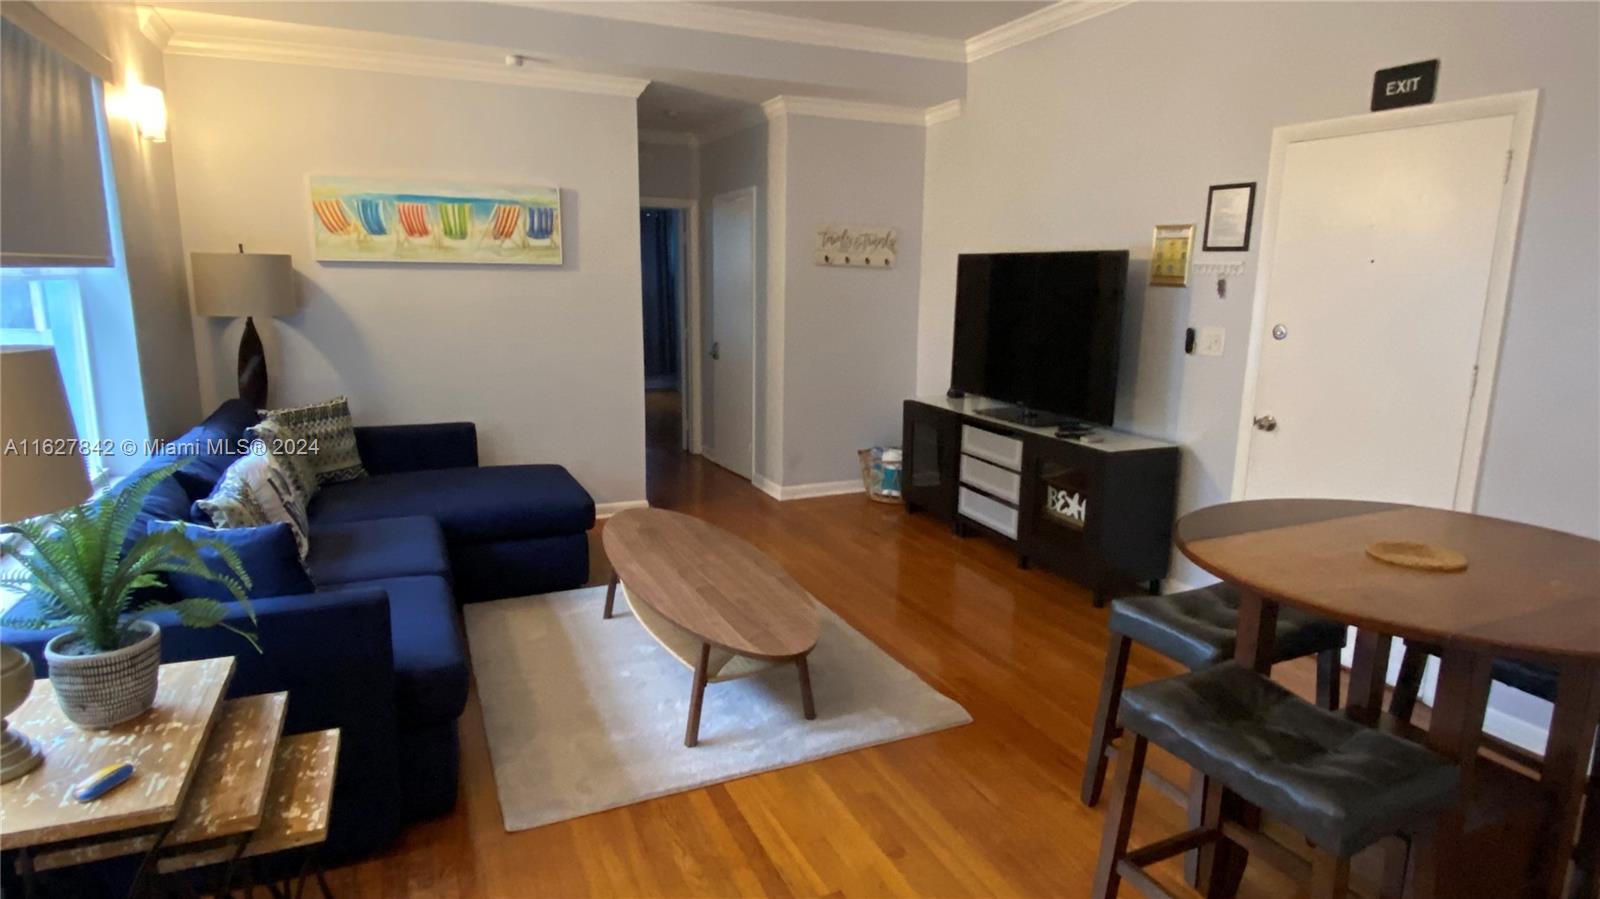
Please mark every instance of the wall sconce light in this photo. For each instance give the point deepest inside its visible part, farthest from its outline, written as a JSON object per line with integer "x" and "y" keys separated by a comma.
{"x": 148, "y": 109}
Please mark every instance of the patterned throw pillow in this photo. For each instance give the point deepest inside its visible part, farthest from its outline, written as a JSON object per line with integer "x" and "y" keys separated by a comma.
{"x": 255, "y": 491}
{"x": 327, "y": 426}
{"x": 292, "y": 452}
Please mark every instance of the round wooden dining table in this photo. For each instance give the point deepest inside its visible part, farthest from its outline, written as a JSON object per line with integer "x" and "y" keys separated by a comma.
{"x": 1527, "y": 593}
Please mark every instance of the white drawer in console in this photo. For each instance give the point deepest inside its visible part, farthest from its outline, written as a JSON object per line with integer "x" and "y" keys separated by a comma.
{"x": 992, "y": 447}
{"x": 991, "y": 479}
{"x": 988, "y": 512}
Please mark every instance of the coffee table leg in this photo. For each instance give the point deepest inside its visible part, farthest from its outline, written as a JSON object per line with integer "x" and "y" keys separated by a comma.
{"x": 805, "y": 687}
{"x": 698, "y": 694}
{"x": 611, "y": 592}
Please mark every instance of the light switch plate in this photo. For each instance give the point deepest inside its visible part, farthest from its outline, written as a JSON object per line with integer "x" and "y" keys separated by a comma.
{"x": 1209, "y": 341}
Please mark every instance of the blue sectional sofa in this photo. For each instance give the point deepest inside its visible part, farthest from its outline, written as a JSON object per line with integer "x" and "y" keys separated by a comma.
{"x": 377, "y": 650}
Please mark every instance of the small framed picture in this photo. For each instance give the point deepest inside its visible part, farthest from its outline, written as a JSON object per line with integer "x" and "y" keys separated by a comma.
{"x": 1230, "y": 210}
{"x": 1169, "y": 255}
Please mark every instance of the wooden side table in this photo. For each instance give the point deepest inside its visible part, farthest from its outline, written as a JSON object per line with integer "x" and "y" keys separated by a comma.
{"x": 296, "y": 815}
{"x": 228, "y": 797}
{"x": 37, "y": 812}
{"x": 215, "y": 783}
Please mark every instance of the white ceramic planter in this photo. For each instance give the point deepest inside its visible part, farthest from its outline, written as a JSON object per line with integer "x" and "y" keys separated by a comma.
{"x": 106, "y": 688}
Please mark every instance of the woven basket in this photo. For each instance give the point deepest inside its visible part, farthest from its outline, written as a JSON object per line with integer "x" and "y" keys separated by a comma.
{"x": 872, "y": 478}
{"x": 106, "y": 688}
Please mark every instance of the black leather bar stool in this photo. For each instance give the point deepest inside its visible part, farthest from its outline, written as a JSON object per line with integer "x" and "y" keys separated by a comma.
{"x": 1342, "y": 785}
{"x": 1197, "y": 628}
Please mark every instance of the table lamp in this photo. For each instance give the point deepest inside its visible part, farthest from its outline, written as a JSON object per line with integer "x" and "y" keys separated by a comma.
{"x": 33, "y": 409}
{"x": 228, "y": 285}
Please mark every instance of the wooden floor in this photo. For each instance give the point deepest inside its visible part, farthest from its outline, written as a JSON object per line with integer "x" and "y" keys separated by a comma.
{"x": 989, "y": 809}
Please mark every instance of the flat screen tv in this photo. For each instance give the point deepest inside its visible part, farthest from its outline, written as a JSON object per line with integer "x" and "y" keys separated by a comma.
{"x": 1041, "y": 331}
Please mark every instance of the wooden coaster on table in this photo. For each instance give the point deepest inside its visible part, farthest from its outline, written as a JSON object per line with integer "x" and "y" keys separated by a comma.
{"x": 1421, "y": 556}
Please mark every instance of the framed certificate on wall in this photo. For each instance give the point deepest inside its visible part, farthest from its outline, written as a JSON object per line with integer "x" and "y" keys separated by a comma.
{"x": 1169, "y": 255}
{"x": 1229, "y": 209}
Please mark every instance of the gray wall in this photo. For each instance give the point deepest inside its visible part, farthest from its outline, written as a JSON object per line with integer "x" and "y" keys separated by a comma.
{"x": 667, "y": 170}
{"x": 732, "y": 162}
{"x": 1050, "y": 152}
{"x": 546, "y": 360}
{"x": 849, "y": 333}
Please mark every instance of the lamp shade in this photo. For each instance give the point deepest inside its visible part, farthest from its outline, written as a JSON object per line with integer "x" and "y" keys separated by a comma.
{"x": 238, "y": 284}
{"x": 34, "y": 420}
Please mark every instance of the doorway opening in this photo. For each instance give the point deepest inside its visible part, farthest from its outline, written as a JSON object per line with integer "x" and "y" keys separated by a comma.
{"x": 665, "y": 286}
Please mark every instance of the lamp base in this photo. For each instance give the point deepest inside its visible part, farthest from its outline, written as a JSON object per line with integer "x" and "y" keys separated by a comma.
{"x": 252, "y": 366}
{"x": 18, "y": 755}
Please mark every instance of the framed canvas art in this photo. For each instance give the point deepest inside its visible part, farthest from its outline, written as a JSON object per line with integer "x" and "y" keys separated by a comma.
{"x": 407, "y": 220}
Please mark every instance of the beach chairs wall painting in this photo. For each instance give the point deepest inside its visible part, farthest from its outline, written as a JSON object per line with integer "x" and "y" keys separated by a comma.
{"x": 391, "y": 220}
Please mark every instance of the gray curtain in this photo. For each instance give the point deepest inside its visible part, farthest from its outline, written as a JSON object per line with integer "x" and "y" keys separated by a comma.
{"x": 54, "y": 212}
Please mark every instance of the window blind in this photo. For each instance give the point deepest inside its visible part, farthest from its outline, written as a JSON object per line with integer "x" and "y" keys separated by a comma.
{"x": 52, "y": 198}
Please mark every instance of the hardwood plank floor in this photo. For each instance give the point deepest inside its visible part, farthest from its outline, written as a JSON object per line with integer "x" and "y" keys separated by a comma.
{"x": 989, "y": 809}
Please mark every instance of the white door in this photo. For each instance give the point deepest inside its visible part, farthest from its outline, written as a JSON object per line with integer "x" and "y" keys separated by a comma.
{"x": 1385, "y": 267}
{"x": 731, "y": 350}
{"x": 1374, "y": 312}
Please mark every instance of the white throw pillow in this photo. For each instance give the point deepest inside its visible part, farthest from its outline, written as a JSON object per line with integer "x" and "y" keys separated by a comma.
{"x": 256, "y": 490}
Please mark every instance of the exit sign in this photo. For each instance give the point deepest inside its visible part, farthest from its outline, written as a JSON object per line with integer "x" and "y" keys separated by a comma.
{"x": 1407, "y": 85}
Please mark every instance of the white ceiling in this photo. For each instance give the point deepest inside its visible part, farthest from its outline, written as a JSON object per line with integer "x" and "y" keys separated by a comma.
{"x": 958, "y": 19}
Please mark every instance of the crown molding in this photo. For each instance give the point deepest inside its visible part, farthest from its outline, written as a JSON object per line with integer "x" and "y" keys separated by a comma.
{"x": 675, "y": 138}
{"x": 339, "y": 49}
{"x": 399, "y": 63}
{"x": 1037, "y": 24}
{"x": 154, "y": 27}
{"x": 943, "y": 112}
{"x": 769, "y": 26}
{"x": 825, "y": 108}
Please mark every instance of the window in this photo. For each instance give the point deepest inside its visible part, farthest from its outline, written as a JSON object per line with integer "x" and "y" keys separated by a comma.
{"x": 44, "y": 307}
{"x": 85, "y": 314}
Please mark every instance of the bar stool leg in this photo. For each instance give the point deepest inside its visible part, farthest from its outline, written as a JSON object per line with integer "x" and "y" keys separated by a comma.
{"x": 1328, "y": 679}
{"x": 1330, "y": 876}
{"x": 1105, "y": 718}
{"x": 1586, "y": 858}
{"x": 1119, "y": 818}
{"x": 1413, "y": 662}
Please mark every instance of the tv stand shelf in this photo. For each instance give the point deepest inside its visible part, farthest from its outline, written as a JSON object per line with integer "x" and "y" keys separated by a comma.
{"x": 1097, "y": 508}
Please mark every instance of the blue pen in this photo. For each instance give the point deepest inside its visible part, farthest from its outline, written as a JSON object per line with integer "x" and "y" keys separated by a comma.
{"x": 102, "y": 782}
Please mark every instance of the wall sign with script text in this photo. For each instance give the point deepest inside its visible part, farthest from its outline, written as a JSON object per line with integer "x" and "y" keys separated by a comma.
{"x": 1407, "y": 85}
{"x": 854, "y": 245}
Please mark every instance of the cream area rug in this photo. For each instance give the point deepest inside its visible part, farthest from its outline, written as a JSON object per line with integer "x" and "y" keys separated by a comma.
{"x": 585, "y": 714}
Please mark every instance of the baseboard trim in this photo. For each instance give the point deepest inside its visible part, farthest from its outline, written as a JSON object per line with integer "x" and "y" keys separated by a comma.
{"x": 784, "y": 493}
{"x": 606, "y": 510}
{"x": 1516, "y": 731}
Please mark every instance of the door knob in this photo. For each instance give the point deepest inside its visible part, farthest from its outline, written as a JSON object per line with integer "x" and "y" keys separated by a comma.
{"x": 716, "y": 350}
{"x": 1266, "y": 423}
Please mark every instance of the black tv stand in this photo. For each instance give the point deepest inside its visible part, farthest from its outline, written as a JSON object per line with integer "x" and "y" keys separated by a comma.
{"x": 1097, "y": 507}
{"x": 1022, "y": 415}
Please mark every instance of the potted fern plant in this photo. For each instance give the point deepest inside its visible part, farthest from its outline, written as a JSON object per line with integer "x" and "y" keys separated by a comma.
{"x": 82, "y": 572}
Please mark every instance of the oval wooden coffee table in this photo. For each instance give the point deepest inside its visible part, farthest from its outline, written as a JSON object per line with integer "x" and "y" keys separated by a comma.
{"x": 714, "y": 601}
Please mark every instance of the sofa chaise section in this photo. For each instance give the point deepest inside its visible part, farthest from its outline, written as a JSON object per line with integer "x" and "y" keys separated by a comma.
{"x": 511, "y": 530}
